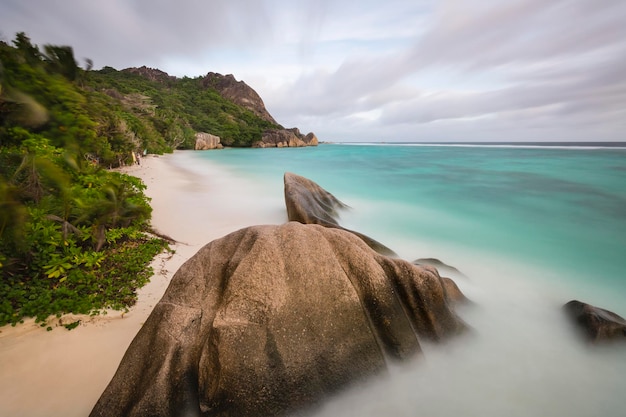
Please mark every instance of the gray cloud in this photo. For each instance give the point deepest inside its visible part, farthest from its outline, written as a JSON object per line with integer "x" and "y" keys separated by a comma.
{"x": 122, "y": 33}
{"x": 398, "y": 70}
{"x": 562, "y": 64}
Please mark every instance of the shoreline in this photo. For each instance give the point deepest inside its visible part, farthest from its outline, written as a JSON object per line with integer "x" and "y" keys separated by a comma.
{"x": 62, "y": 372}
{"x": 521, "y": 348}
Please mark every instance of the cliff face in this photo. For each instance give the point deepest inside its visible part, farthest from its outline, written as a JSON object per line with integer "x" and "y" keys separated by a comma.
{"x": 285, "y": 138}
{"x": 239, "y": 93}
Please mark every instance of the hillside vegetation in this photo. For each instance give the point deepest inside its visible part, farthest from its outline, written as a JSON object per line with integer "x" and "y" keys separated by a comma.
{"x": 74, "y": 235}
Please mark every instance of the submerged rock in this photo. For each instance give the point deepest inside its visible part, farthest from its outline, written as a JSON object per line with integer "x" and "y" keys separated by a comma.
{"x": 308, "y": 203}
{"x": 271, "y": 319}
{"x": 597, "y": 324}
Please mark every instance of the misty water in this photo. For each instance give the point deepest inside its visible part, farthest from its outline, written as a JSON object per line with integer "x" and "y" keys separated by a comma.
{"x": 530, "y": 228}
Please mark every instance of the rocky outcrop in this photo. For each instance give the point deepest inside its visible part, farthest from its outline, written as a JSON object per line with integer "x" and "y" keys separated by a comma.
{"x": 596, "y": 324}
{"x": 239, "y": 93}
{"x": 271, "y": 319}
{"x": 310, "y": 139}
{"x": 153, "y": 74}
{"x": 308, "y": 203}
{"x": 285, "y": 138}
{"x": 279, "y": 138}
{"x": 205, "y": 141}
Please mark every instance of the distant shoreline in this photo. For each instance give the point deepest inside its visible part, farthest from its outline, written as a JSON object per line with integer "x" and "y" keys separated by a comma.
{"x": 526, "y": 145}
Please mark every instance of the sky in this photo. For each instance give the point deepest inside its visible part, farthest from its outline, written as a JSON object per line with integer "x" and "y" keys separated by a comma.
{"x": 384, "y": 71}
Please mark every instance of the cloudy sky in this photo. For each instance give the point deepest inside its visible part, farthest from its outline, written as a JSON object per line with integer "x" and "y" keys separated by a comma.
{"x": 393, "y": 70}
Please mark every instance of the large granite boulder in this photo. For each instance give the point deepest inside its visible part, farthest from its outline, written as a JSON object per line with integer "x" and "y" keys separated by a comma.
{"x": 309, "y": 203}
{"x": 310, "y": 139}
{"x": 205, "y": 141}
{"x": 271, "y": 319}
{"x": 595, "y": 323}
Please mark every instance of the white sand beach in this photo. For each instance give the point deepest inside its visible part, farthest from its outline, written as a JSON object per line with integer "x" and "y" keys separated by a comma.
{"x": 63, "y": 373}
{"x": 520, "y": 359}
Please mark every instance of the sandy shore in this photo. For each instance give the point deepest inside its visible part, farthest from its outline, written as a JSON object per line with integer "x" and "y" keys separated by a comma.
{"x": 63, "y": 373}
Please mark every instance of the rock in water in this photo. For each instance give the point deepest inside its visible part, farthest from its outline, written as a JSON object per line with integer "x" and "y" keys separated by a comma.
{"x": 597, "y": 324}
{"x": 308, "y": 203}
{"x": 270, "y": 319}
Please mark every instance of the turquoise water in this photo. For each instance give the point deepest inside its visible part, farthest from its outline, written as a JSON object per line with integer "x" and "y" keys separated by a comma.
{"x": 531, "y": 228}
{"x": 564, "y": 209}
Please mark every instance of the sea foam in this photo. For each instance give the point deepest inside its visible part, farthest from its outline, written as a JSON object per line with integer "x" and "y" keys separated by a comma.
{"x": 522, "y": 356}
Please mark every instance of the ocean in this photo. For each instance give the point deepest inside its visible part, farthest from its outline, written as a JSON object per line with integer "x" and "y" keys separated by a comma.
{"x": 530, "y": 227}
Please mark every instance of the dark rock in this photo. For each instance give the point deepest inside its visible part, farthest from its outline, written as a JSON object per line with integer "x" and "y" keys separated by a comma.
{"x": 308, "y": 203}
{"x": 453, "y": 294}
{"x": 596, "y": 324}
{"x": 441, "y": 266}
{"x": 271, "y": 319}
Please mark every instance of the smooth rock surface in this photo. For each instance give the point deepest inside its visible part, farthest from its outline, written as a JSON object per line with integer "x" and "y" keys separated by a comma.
{"x": 308, "y": 203}
{"x": 271, "y": 319}
{"x": 597, "y": 324}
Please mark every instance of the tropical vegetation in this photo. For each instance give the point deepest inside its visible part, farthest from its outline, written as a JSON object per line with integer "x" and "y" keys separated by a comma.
{"x": 75, "y": 233}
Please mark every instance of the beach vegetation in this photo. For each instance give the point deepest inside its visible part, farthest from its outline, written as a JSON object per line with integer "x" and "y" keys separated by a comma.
{"x": 74, "y": 234}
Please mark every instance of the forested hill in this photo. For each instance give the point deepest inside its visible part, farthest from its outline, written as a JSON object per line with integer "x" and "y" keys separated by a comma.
{"x": 108, "y": 112}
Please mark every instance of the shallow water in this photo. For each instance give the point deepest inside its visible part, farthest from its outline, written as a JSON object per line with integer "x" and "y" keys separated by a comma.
{"x": 531, "y": 228}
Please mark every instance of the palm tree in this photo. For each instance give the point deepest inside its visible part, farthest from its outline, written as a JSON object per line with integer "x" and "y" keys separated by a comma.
{"x": 61, "y": 60}
{"x": 12, "y": 215}
{"x": 116, "y": 209}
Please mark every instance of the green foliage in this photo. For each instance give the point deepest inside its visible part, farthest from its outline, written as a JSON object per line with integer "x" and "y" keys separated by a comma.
{"x": 175, "y": 109}
{"x": 61, "y": 60}
{"x": 105, "y": 115}
{"x": 73, "y": 236}
{"x": 62, "y": 265}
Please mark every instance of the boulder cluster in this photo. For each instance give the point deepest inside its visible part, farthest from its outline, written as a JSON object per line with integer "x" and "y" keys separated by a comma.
{"x": 271, "y": 138}
{"x": 285, "y": 138}
{"x": 270, "y": 320}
